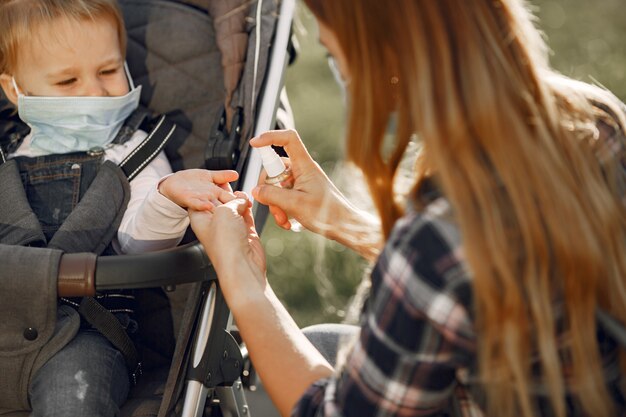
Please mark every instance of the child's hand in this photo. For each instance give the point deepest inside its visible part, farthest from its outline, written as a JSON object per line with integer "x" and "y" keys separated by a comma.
{"x": 199, "y": 189}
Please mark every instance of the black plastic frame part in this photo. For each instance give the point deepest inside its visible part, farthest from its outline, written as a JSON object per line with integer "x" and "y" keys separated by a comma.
{"x": 181, "y": 265}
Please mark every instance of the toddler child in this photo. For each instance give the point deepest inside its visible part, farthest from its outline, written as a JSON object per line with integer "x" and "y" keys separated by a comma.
{"x": 62, "y": 63}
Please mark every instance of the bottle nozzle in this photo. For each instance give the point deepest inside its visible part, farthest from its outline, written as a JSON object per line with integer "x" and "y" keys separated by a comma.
{"x": 272, "y": 163}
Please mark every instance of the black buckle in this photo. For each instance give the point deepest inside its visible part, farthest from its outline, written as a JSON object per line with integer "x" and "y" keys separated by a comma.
{"x": 222, "y": 150}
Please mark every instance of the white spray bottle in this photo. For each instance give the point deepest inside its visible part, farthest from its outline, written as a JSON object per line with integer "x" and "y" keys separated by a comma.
{"x": 278, "y": 175}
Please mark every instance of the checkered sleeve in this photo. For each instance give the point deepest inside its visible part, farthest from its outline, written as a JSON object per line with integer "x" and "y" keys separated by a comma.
{"x": 416, "y": 330}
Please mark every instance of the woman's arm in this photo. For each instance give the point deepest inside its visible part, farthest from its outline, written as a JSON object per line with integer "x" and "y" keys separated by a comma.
{"x": 283, "y": 357}
{"x": 416, "y": 332}
{"x": 315, "y": 201}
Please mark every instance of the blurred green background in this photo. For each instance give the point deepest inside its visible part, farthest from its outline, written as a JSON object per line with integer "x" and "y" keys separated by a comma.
{"x": 316, "y": 278}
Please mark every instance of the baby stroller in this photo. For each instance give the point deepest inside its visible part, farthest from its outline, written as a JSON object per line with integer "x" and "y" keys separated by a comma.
{"x": 215, "y": 67}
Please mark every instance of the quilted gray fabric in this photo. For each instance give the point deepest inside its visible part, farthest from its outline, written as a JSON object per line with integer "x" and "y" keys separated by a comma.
{"x": 229, "y": 20}
{"x": 181, "y": 78}
{"x": 231, "y": 36}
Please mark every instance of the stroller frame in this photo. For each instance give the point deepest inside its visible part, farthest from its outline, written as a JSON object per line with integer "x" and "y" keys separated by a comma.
{"x": 216, "y": 361}
{"x": 232, "y": 396}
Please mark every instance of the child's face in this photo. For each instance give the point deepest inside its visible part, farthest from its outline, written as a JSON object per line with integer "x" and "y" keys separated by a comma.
{"x": 70, "y": 58}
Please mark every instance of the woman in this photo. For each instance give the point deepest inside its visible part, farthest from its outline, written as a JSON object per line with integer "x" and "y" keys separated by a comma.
{"x": 485, "y": 294}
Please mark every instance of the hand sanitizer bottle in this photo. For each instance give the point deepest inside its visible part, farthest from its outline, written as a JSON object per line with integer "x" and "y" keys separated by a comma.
{"x": 278, "y": 175}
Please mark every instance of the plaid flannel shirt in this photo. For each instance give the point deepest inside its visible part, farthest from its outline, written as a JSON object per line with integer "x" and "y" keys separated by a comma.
{"x": 416, "y": 328}
{"x": 417, "y": 342}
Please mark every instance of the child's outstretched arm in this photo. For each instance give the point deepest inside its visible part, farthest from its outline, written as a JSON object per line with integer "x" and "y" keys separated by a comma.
{"x": 153, "y": 221}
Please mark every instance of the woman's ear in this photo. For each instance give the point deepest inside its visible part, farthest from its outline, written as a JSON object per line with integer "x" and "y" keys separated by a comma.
{"x": 6, "y": 82}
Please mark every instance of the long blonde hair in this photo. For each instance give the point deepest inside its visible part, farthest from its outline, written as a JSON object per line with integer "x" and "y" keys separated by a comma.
{"x": 20, "y": 21}
{"x": 512, "y": 145}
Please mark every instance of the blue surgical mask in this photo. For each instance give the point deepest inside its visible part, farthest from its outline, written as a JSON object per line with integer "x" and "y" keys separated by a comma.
{"x": 74, "y": 124}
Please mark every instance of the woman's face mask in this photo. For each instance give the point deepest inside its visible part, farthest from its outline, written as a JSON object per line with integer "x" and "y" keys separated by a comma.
{"x": 74, "y": 124}
{"x": 336, "y": 58}
{"x": 341, "y": 82}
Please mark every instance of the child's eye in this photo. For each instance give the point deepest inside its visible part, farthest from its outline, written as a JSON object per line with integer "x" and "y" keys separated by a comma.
{"x": 69, "y": 81}
{"x": 109, "y": 71}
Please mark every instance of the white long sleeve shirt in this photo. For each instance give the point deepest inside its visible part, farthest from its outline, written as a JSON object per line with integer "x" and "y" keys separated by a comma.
{"x": 151, "y": 221}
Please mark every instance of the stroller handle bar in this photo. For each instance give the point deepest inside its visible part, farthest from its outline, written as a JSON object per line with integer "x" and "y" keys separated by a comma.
{"x": 82, "y": 274}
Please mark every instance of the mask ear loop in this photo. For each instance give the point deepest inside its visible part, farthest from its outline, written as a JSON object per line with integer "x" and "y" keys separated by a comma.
{"x": 131, "y": 84}
{"x": 17, "y": 90}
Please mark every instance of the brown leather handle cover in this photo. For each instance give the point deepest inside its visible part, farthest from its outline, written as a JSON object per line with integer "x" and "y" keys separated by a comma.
{"x": 77, "y": 275}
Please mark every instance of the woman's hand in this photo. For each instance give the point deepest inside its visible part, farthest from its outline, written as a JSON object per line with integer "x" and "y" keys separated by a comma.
{"x": 314, "y": 200}
{"x": 198, "y": 189}
{"x": 233, "y": 245}
{"x": 313, "y": 194}
{"x": 284, "y": 358}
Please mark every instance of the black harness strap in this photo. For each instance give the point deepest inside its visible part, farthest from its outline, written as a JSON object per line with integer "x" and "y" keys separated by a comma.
{"x": 106, "y": 323}
{"x": 93, "y": 312}
{"x": 147, "y": 150}
{"x": 133, "y": 123}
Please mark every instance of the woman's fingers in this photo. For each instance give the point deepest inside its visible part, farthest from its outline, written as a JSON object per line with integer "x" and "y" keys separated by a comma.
{"x": 227, "y": 218}
{"x": 275, "y": 196}
{"x": 247, "y": 214}
{"x": 279, "y": 200}
{"x": 224, "y": 196}
{"x": 242, "y": 195}
{"x": 288, "y": 139}
{"x": 241, "y": 205}
{"x": 280, "y": 217}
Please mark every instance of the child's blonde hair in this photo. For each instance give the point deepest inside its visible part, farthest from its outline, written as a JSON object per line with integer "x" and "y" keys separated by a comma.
{"x": 20, "y": 21}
